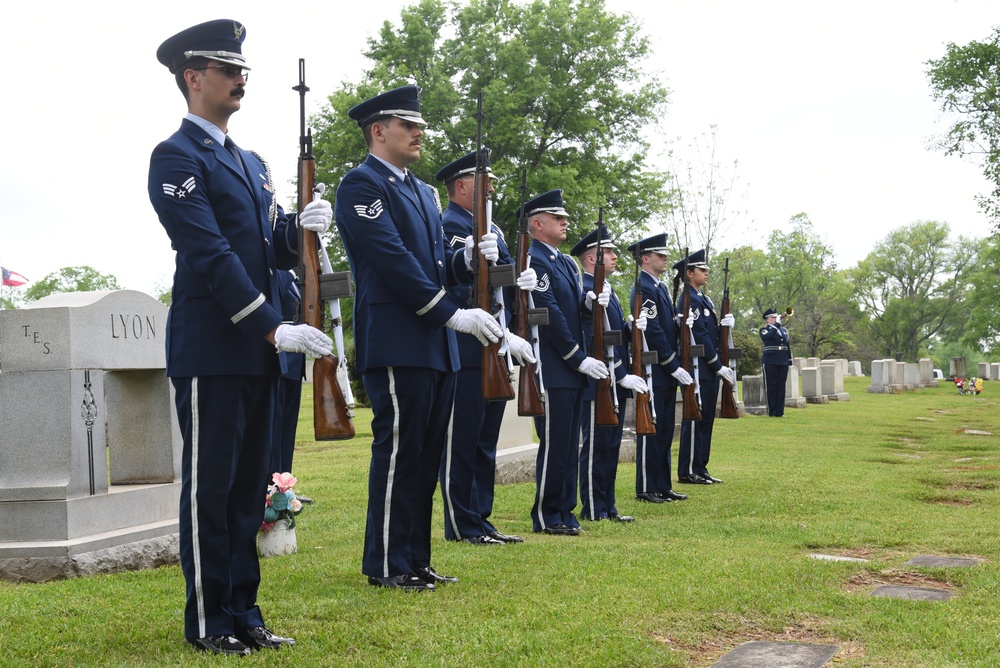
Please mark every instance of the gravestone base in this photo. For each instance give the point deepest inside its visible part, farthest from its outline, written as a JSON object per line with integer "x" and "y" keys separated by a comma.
{"x": 838, "y": 396}
{"x": 794, "y": 402}
{"x": 134, "y": 548}
{"x": 885, "y": 389}
{"x": 817, "y": 400}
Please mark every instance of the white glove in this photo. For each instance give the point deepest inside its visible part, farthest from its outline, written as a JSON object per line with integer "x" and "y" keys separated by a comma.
{"x": 316, "y": 216}
{"x": 602, "y": 298}
{"x": 726, "y": 374}
{"x": 302, "y": 339}
{"x": 634, "y": 383}
{"x": 689, "y": 323}
{"x": 778, "y": 320}
{"x": 640, "y": 322}
{"x": 528, "y": 280}
{"x": 594, "y": 368}
{"x": 682, "y": 376}
{"x": 487, "y": 247}
{"x": 477, "y": 322}
{"x": 520, "y": 349}
{"x": 727, "y": 320}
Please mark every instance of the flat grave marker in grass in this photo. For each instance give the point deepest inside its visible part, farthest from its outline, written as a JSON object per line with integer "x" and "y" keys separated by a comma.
{"x": 777, "y": 655}
{"x": 933, "y": 561}
{"x": 911, "y": 593}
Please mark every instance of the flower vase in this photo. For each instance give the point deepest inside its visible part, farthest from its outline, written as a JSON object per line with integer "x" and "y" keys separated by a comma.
{"x": 279, "y": 540}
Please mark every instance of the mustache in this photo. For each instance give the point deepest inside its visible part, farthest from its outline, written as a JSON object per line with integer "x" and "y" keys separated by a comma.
{"x": 237, "y": 92}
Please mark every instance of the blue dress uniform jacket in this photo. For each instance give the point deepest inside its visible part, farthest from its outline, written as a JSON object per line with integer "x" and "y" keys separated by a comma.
{"x": 776, "y": 359}
{"x": 562, "y": 350}
{"x": 652, "y": 457}
{"x": 468, "y": 464}
{"x": 226, "y": 299}
{"x": 407, "y": 358}
{"x": 401, "y": 265}
{"x": 601, "y": 444}
{"x": 226, "y": 296}
{"x": 696, "y": 437}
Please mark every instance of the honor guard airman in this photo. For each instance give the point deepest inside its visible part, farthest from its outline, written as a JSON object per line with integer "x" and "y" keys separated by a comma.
{"x": 468, "y": 465}
{"x": 696, "y": 437}
{"x": 565, "y": 363}
{"x": 652, "y": 453}
{"x": 226, "y": 340}
{"x": 404, "y": 329}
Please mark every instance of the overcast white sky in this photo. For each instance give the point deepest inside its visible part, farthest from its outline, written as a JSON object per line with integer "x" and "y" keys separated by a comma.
{"x": 826, "y": 107}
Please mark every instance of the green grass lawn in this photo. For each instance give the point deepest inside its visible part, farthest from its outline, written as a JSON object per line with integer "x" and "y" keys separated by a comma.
{"x": 883, "y": 477}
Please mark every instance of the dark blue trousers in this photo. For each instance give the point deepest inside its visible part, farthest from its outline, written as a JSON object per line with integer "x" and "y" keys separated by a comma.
{"x": 599, "y": 453}
{"x": 652, "y": 453}
{"x": 286, "y": 422}
{"x": 412, "y": 409}
{"x": 468, "y": 464}
{"x": 696, "y": 437}
{"x": 225, "y": 422}
{"x": 558, "y": 457}
{"x": 775, "y": 377}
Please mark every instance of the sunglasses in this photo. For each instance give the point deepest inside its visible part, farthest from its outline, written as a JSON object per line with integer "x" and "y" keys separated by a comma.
{"x": 231, "y": 71}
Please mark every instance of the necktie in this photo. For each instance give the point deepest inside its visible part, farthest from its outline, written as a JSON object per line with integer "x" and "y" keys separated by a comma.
{"x": 231, "y": 147}
{"x": 408, "y": 180}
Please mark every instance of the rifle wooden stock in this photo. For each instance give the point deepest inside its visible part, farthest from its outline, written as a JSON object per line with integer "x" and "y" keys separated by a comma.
{"x": 691, "y": 409}
{"x": 331, "y": 416}
{"x": 644, "y": 425}
{"x": 497, "y": 385}
{"x": 729, "y": 409}
{"x": 529, "y": 393}
{"x": 604, "y": 408}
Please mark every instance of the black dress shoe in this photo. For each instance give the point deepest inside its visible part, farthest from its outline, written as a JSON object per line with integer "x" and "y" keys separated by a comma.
{"x": 220, "y": 645}
{"x": 504, "y": 538}
{"x": 694, "y": 479}
{"x": 651, "y": 497}
{"x": 562, "y": 530}
{"x": 615, "y": 517}
{"x": 482, "y": 540}
{"x": 671, "y": 495}
{"x": 260, "y": 637}
{"x": 712, "y": 479}
{"x": 431, "y": 576}
{"x": 407, "y": 582}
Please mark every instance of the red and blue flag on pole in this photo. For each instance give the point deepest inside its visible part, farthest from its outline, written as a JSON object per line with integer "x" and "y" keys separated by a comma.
{"x": 12, "y": 277}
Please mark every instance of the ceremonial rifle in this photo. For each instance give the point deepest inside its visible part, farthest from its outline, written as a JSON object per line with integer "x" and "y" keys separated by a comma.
{"x": 530, "y": 391}
{"x": 332, "y": 418}
{"x": 605, "y": 412}
{"x": 691, "y": 394}
{"x": 642, "y": 361}
{"x": 497, "y": 379}
{"x": 727, "y": 353}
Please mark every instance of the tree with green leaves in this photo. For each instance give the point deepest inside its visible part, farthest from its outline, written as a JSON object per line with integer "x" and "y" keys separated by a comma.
{"x": 564, "y": 98}
{"x": 71, "y": 279}
{"x": 966, "y": 82}
{"x": 912, "y": 286}
{"x": 981, "y": 328}
{"x": 796, "y": 270}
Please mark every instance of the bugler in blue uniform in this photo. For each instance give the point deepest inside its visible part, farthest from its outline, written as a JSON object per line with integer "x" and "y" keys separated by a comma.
{"x": 776, "y": 359}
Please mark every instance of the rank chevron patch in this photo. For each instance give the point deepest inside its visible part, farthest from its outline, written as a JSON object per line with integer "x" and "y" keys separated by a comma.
{"x": 181, "y": 191}
{"x": 370, "y": 212}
